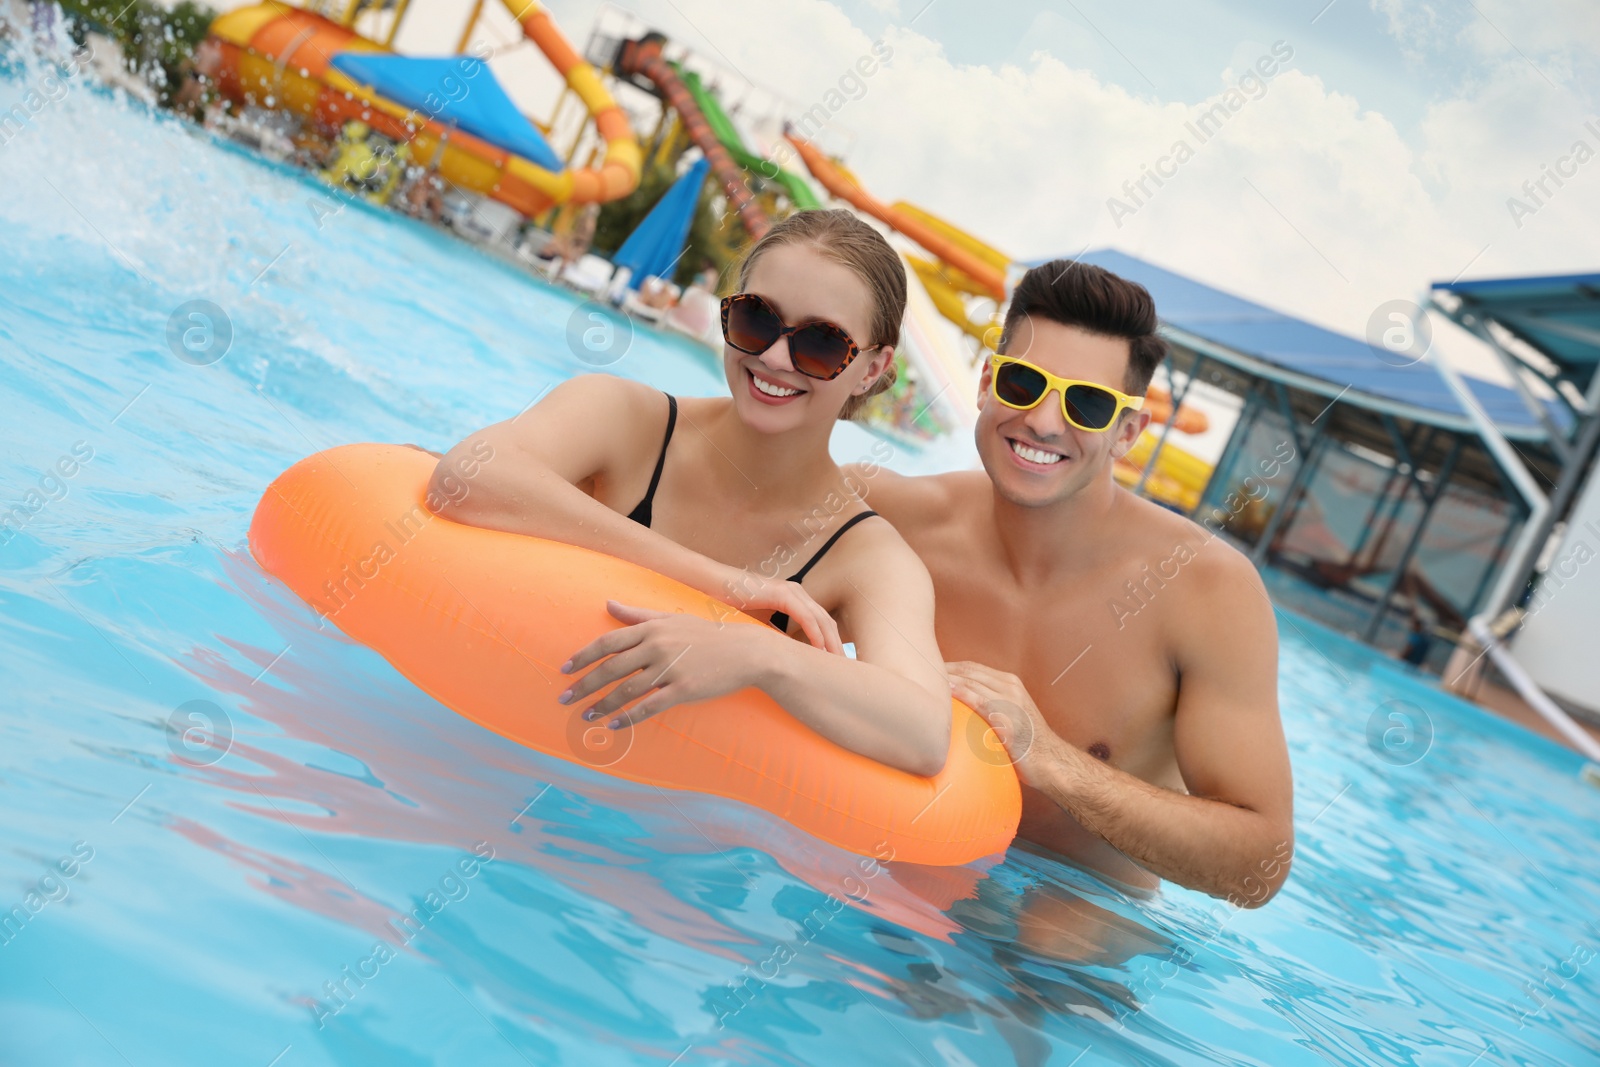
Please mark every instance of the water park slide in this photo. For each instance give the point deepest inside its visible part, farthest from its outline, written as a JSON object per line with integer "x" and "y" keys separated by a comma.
{"x": 978, "y": 247}
{"x": 947, "y": 284}
{"x": 841, "y": 184}
{"x": 1178, "y": 479}
{"x": 278, "y": 56}
{"x": 947, "y": 295}
{"x": 942, "y": 363}
{"x": 798, "y": 191}
{"x": 644, "y": 57}
{"x": 969, "y": 265}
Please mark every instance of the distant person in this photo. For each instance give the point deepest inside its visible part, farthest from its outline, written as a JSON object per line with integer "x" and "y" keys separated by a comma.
{"x": 189, "y": 99}
{"x": 738, "y": 497}
{"x": 656, "y": 294}
{"x": 1127, "y": 654}
{"x": 696, "y": 311}
{"x": 1418, "y": 642}
{"x": 424, "y": 195}
{"x": 569, "y": 247}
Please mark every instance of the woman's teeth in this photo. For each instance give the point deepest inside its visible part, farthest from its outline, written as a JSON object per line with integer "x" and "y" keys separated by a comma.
{"x": 1033, "y": 455}
{"x": 772, "y": 390}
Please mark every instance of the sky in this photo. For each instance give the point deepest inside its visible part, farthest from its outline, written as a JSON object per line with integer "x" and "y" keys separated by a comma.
{"x": 1362, "y": 149}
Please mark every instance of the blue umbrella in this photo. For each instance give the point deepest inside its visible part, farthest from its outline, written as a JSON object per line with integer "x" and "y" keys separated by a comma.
{"x": 656, "y": 244}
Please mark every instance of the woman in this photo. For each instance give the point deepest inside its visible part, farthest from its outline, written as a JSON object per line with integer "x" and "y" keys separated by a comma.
{"x": 719, "y": 492}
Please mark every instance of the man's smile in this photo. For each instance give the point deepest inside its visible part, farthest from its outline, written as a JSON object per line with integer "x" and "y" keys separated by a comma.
{"x": 1033, "y": 455}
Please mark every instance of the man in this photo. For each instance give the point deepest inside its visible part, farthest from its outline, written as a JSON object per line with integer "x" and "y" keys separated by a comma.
{"x": 1126, "y": 656}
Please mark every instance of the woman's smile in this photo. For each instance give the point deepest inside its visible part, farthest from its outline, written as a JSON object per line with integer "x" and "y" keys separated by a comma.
{"x": 770, "y": 390}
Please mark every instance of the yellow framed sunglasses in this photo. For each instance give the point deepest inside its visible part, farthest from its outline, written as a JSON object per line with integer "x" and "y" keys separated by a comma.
{"x": 1089, "y": 406}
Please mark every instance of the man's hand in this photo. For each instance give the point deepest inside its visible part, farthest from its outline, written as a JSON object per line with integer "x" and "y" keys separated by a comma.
{"x": 667, "y": 659}
{"x": 1004, "y": 703}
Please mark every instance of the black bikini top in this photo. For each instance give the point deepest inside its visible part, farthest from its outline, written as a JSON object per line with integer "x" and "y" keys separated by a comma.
{"x": 641, "y": 512}
{"x": 644, "y": 510}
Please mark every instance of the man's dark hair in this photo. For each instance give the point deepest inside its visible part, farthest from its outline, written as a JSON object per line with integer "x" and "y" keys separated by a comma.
{"x": 1092, "y": 298}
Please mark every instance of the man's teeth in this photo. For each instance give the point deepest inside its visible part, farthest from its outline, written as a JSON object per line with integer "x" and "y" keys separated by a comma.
{"x": 1033, "y": 455}
{"x": 773, "y": 390}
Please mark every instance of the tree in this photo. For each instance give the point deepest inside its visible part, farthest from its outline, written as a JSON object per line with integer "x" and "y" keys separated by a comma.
{"x": 158, "y": 43}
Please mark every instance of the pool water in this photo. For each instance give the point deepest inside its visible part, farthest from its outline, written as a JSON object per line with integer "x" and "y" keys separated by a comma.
{"x": 231, "y": 836}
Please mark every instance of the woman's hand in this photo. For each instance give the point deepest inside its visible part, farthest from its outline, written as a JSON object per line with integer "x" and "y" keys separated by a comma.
{"x": 752, "y": 592}
{"x": 666, "y": 659}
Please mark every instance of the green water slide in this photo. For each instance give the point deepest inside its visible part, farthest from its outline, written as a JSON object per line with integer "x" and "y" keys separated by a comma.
{"x": 800, "y": 194}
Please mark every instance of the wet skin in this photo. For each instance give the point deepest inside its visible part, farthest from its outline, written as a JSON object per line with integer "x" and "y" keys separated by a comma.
{"x": 1140, "y": 647}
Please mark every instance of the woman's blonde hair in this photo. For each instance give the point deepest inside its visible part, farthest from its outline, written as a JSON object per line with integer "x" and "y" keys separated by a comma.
{"x": 849, "y": 241}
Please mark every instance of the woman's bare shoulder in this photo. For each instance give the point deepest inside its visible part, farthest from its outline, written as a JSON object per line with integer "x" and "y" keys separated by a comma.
{"x": 603, "y": 404}
{"x": 610, "y": 390}
{"x": 588, "y": 426}
{"x": 875, "y": 553}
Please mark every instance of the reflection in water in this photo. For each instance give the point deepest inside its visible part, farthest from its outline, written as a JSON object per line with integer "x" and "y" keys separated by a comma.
{"x": 1051, "y": 949}
{"x": 424, "y": 778}
{"x": 1045, "y": 947}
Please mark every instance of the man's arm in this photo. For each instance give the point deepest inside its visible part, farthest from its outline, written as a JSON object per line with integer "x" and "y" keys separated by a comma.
{"x": 908, "y": 502}
{"x": 1232, "y": 835}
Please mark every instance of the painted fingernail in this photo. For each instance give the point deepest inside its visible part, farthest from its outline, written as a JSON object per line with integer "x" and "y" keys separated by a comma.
{"x": 591, "y": 715}
{"x": 564, "y": 698}
{"x": 566, "y": 668}
{"x": 614, "y": 724}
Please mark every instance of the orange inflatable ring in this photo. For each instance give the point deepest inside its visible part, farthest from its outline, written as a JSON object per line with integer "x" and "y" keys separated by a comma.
{"x": 481, "y": 620}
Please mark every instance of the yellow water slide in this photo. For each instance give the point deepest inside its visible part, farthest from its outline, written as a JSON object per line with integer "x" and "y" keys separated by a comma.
{"x": 1179, "y": 476}
{"x": 976, "y": 247}
{"x": 277, "y": 56}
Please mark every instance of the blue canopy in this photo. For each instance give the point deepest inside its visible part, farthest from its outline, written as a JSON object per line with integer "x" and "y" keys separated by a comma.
{"x": 427, "y": 85}
{"x": 1279, "y": 347}
{"x": 654, "y": 247}
{"x": 1558, "y": 315}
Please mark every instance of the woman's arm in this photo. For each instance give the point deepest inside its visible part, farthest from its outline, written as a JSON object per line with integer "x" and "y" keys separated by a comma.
{"x": 893, "y": 701}
{"x": 584, "y": 431}
{"x": 891, "y": 704}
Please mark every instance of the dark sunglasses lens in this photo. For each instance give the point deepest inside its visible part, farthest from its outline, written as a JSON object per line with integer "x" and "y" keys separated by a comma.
{"x": 1019, "y": 385}
{"x": 751, "y": 326}
{"x": 1090, "y": 406}
{"x": 819, "y": 350}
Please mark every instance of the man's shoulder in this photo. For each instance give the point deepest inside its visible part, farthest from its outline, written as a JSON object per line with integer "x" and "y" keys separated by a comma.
{"x": 1212, "y": 604}
{"x": 1214, "y": 563}
{"x": 920, "y": 498}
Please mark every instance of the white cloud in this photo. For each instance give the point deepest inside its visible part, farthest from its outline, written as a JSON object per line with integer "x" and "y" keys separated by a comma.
{"x": 1300, "y": 187}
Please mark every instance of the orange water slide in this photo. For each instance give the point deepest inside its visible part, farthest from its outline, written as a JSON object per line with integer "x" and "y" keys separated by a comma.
{"x": 275, "y": 55}
{"x": 967, "y": 265}
{"x": 1158, "y": 402}
{"x": 618, "y": 173}
{"x": 990, "y": 278}
{"x": 644, "y": 57}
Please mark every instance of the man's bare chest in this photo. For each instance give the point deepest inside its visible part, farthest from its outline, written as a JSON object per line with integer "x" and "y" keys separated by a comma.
{"x": 1103, "y": 682}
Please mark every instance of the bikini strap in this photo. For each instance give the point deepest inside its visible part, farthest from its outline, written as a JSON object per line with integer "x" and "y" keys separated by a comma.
{"x": 840, "y": 532}
{"x": 643, "y": 511}
{"x": 779, "y": 619}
